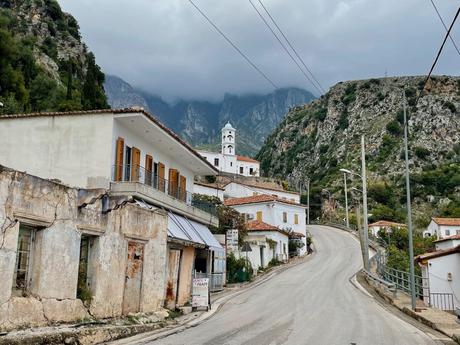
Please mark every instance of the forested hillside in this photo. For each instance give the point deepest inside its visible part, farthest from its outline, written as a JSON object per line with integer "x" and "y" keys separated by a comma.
{"x": 44, "y": 66}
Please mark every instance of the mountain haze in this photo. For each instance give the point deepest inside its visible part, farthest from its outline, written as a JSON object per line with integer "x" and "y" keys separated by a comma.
{"x": 199, "y": 122}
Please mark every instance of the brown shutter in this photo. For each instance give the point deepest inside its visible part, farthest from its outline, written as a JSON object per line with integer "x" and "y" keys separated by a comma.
{"x": 148, "y": 169}
{"x": 136, "y": 162}
{"x": 173, "y": 182}
{"x": 118, "y": 169}
{"x": 259, "y": 216}
{"x": 161, "y": 176}
{"x": 183, "y": 188}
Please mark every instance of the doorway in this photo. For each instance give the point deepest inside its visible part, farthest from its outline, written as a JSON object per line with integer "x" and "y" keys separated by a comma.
{"x": 133, "y": 278}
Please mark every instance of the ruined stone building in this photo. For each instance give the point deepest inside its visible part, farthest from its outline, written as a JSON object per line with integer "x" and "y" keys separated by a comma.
{"x": 101, "y": 222}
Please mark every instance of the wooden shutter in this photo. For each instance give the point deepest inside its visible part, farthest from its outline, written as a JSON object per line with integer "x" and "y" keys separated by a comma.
{"x": 296, "y": 219}
{"x": 173, "y": 182}
{"x": 259, "y": 216}
{"x": 161, "y": 176}
{"x": 135, "y": 164}
{"x": 183, "y": 188}
{"x": 148, "y": 169}
{"x": 119, "y": 159}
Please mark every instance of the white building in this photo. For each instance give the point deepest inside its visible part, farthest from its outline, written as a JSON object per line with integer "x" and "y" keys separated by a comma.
{"x": 443, "y": 227}
{"x": 282, "y": 214}
{"x": 208, "y": 189}
{"x": 227, "y": 160}
{"x": 374, "y": 228}
{"x": 267, "y": 242}
{"x": 237, "y": 189}
{"x": 442, "y": 268}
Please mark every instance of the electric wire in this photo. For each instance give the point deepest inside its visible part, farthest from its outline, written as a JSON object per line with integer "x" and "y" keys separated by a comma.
{"x": 438, "y": 55}
{"x": 252, "y": 64}
{"x": 445, "y": 27}
{"x": 284, "y": 47}
{"x": 291, "y": 46}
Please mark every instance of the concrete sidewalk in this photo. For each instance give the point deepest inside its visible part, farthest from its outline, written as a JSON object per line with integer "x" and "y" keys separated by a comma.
{"x": 437, "y": 319}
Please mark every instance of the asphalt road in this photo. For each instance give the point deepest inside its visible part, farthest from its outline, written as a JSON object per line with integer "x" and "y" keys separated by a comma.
{"x": 311, "y": 303}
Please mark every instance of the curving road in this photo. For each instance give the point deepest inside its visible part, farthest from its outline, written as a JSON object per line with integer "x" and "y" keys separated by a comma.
{"x": 311, "y": 303}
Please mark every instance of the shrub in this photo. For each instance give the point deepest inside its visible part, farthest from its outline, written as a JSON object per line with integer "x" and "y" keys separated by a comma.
{"x": 323, "y": 148}
{"x": 388, "y": 145}
{"x": 320, "y": 114}
{"x": 343, "y": 120}
{"x": 394, "y": 128}
{"x": 421, "y": 152}
{"x": 451, "y": 107}
{"x": 238, "y": 270}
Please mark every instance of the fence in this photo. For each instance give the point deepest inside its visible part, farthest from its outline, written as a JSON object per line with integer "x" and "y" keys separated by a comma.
{"x": 216, "y": 280}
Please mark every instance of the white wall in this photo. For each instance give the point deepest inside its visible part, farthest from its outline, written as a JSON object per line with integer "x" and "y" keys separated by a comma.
{"x": 200, "y": 189}
{"x": 147, "y": 148}
{"x": 237, "y": 190}
{"x": 75, "y": 149}
{"x": 227, "y": 163}
{"x": 247, "y": 168}
{"x": 447, "y": 244}
{"x": 437, "y": 271}
{"x": 441, "y": 231}
{"x": 272, "y": 213}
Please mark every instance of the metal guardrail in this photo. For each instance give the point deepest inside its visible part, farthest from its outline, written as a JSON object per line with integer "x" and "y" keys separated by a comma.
{"x": 137, "y": 173}
{"x": 377, "y": 280}
{"x": 442, "y": 300}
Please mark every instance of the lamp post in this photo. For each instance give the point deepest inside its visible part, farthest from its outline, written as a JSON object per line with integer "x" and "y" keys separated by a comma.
{"x": 346, "y": 195}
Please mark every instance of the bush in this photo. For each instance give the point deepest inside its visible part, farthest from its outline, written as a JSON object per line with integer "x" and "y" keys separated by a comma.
{"x": 421, "y": 152}
{"x": 274, "y": 262}
{"x": 323, "y": 148}
{"x": 451, "y": 107}
{"x": 238, "y": 270}
{"x": 343, "y": 120}
{"x": 386, "y": 148}
{"x": 394, "y": 128}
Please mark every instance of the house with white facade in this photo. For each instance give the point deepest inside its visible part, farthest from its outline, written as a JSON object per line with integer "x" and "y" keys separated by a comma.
{"x": 267, "y": 242}
{"x": 385, "y": 225}
{"x": 442, "y": 227}
{"x": 240, "y": 189}
{"x": 442, "y": 269}
{"x": 283, "y": 214}
{"x": 130, "y": 154}
{"x": 227, "y": 160}
{"x": 209, "y": 189}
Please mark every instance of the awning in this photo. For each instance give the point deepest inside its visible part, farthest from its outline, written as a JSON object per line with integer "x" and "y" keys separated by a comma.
{"x": 185, "y": 229}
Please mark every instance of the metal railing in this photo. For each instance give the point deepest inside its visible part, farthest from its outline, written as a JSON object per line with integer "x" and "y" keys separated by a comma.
{"x": 442, "y": 300}
{"x": 137, "y": 173}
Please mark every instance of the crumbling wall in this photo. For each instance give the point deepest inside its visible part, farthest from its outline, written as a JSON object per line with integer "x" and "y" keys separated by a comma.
{"x": 185, "y": 281}
{"x": 62, "y": 215}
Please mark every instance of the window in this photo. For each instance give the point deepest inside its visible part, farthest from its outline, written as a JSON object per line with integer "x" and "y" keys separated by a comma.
{"x": 284, "y": 248}
{"x": 84, "y": 280}
{"x": 447, "y": 232}
{"x": 216, "y": 162}
{"x": 23, "y": 257}
{"x": 296, "y": 219}
{"x": 127, "y": 172}
{"x": 241, "y": 170}
{"x": 284, "y": 217}
{"x": 458, "y": 232}
{"x": 230, "y": 137}
{"x": 259, "y": 216}
{"x": 255, "y": 193}
{"x": 251, "y": 171}
{"x": 230, "y": 149}
{"x": 248, "y": 216}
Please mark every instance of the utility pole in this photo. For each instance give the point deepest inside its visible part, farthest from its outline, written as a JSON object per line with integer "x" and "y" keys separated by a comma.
{"x": 409, "y": 211}
{"x": 308, "y": 201}
{"x": 346, "y": 199}
{"x": 360, "y": 231}
{"x": 366, "y": 229}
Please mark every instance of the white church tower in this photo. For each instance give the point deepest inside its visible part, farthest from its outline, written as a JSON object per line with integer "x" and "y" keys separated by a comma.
{"x": 228, "y": 139}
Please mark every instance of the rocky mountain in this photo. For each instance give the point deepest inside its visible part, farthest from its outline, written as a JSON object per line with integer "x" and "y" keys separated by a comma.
{"x": 319, "y": 138}
{"x": 44, "y": 65}
{"x": 199, "y": 122}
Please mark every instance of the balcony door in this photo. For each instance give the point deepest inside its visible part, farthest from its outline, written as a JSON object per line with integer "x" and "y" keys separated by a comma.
{"x": 173, "y": 182}
{"x": 136, "y": 164}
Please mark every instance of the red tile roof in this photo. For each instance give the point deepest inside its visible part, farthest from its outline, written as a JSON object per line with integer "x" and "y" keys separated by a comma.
{"x": 387, "y": 223}
{"x": 246, "y": 159}
{"x": 114, "y": 111}
{"x": 297, "y": 235}
{"x": 454, "y": 237}
{"x": 446, "y": 221}
{"x": 257, "y": 199}
{"x": 257, "y": 225}
{"x": 437, "y": 254}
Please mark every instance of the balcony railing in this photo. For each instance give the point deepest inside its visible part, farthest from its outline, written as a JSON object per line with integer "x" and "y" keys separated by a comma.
{"x": 136, "y": 173}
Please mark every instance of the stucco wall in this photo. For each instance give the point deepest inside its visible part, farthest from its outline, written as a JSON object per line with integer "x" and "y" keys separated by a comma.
{"x": 200, "y": 189}
{"x": 74, "y": 149}
{"x": 438, "y": 268}
{"x": 53, "y": 209}
{"x": 185, "y": 275}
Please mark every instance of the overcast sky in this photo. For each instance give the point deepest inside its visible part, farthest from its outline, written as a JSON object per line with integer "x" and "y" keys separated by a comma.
{"x": 167, "y": 48}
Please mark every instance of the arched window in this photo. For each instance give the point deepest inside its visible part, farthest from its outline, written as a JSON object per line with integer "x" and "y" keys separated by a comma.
{"x": 230, "y": 137}
{"x": 230, "y": 148}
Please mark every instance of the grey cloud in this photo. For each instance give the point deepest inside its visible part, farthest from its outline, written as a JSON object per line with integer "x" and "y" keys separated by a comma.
{"x": 166, "y": 47}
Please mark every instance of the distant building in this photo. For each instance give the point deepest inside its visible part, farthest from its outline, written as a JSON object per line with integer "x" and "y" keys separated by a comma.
{"x": 239, "y": 189}
{"x": 441, "y": 269}
{"x": 443, "y": 227}
{"x": 227, "y": 160}
{"x": 374, "y": 228}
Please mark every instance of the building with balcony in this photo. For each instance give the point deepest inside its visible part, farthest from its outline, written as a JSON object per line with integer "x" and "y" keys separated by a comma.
{"x": 131, "y": 154}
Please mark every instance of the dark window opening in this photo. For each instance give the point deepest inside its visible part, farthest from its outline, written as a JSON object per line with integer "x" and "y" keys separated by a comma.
{"x": 84, "y": 279}
{"x": 241, "y": 170}
{"x": 216, "y": 162}
{"x": 24, "y": 257}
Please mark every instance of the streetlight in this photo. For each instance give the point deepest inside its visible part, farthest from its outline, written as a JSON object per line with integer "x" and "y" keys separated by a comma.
{"x": 345, "y": 172}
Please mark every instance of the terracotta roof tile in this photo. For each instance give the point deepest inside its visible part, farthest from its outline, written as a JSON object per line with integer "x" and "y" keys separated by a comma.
{"x": 446, "y": 221}
{"x": 257, "y": 225}
{"x": 296, "y": 235}
{"x": 454, "y": 237}
{"x": 264, "y": 185}
{"x": 245, "y": 159}
{"x": 256, "y": 199}
{"x": 437, "y": 254}
{"x": 387, "y": 223}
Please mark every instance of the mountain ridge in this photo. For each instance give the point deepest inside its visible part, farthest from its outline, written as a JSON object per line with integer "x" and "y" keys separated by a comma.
{"x": 199, "y": 121}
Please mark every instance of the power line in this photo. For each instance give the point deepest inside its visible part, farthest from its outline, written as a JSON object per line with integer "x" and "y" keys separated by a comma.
{"x": 438, "y": 54}
{"x": 291, "y": 46}
{"x": 284, "y": 46}
{"x": 253, "y": 65}
{"x": 445, "y": 27}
